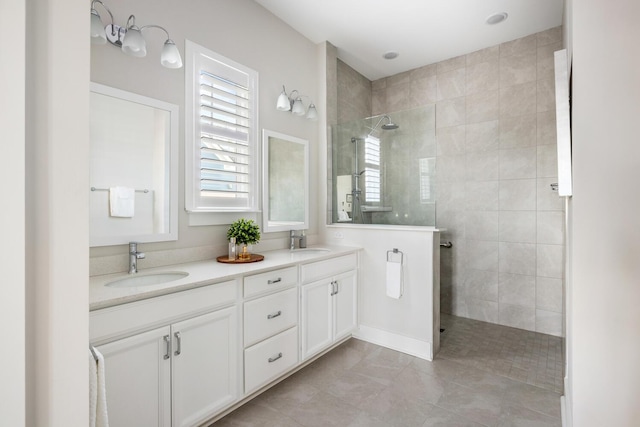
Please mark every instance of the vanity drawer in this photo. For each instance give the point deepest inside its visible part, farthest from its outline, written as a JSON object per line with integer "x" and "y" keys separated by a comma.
{"x": 270, "y": 358}
{"x": 269, "y": 315}
{"x": 272, "y": 280}
{"x": 328, "y": 267}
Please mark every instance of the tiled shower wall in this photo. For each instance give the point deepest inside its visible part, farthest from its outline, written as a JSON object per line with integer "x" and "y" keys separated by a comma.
{"x": 496, "y": 159}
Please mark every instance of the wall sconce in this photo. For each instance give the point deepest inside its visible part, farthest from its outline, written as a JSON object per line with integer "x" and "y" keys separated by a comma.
{"x": 129, "y": 38}
{"x": 294, "y": 104}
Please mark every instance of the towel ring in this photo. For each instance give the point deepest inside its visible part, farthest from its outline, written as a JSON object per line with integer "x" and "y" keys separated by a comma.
{"x": 395, "y": 251}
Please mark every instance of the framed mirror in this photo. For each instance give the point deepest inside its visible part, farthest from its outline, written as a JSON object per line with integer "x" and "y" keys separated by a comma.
{"x": 285, "y": 182}
{"x": 133, "y": 168}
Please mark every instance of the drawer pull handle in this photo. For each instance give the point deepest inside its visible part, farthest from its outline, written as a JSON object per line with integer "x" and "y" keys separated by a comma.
{"x": 274, "y": 315}
{"x": 167, "y": 341}
{"x": 271, "y": 282}
{"x": 179, "y": 339}
{"x": 273, "y": 359}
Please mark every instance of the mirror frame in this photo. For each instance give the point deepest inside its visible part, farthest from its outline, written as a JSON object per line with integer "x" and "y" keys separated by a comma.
{"x": 266, "y": 136}
{"x": 172, "y": 148}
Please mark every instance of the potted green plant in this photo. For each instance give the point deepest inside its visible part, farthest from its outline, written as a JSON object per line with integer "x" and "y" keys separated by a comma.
{"x": 246, "y": 232}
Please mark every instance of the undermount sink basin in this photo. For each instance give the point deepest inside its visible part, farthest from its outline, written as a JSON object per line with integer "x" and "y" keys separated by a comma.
{"x": 147, "y": 279}
{"x": 310, "y": 251}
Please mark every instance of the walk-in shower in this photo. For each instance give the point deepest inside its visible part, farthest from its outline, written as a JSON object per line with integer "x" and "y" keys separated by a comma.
{"x": 383, "y": 172}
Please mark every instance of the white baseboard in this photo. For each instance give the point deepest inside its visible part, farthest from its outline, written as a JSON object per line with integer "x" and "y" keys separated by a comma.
{"x": 412, "y": 346}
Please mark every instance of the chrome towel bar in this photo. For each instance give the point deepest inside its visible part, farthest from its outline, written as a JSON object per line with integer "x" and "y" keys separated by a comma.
{"x": 446, "y": 244}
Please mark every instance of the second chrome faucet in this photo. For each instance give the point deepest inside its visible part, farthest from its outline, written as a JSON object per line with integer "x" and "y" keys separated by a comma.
{"x": 302, "y": 239}
{"x": 134, "y": 256}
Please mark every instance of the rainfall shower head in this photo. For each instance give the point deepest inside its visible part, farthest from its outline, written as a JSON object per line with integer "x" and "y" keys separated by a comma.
{"x": 387, "y": 126}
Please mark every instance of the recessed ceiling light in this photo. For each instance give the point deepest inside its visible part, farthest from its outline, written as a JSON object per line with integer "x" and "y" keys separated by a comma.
{"x": 390, "y": 55}
{"x": 497, "y": 18}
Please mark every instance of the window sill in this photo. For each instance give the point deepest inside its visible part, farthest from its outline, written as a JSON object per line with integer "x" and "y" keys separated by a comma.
{"x": 197, "y": 219}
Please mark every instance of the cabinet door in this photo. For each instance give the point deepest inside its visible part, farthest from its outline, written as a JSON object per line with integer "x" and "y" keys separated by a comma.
{"x": 345, "y": 303}
{"x": 138, "y": 380}
{"x": 317, "y": 317}
{"x": 204, "y": 366}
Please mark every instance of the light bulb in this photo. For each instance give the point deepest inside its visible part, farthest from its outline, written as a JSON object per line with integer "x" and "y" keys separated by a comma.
{"x": 298, "y": 107}
{"x": 312, "y": 113}
{"x": 283, "y": 102}
{"x": 98, "y": 35}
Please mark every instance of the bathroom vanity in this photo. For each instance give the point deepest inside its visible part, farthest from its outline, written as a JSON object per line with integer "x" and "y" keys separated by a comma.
{"x": 181, "y": 353}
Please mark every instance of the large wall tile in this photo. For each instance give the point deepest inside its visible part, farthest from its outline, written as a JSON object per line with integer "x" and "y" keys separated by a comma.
{"x": 518, "y": 68}
{"x": 424, "y": 91}
{"x": 452, "y": 64}
{"x": 550, "y": 227}
{"x": 451, "y": 84}
{"x": 484, "y": 55}
{"x": 450, "y": 168}
{"x": 548, "y": 322}
{"x": 451, "y": 140}
{"x": 517, "y": 226}
{"x": 397, "y": 96}
{"x": 481, "y": 225}
{"x": 482, "y": 285}
{"x": 518, "y": 163}
{"x": 483, "y": 106}
{"x": 518, "y": 131}
{"x": 518, "y": 316}
{"x": 482, "y": 255}
{"x": 518, "y": 100}
{"x": 546, "y": 130}
{"x": 482, "y": 77}
{"x": 518, "y": 258}
{"x": 545, "y": 68}
{"x": 450, "y": 196}
{"x": 550, "y": 261}
{"x": 549, "y": 294}
{"x": 485, "y": 311}
{"x": 451, "y": 112}
{"x": 552, "y": 35}
{"x": 482, "y": 195}
{"x": 518, "y": 195}
{"x": 483, "y": 166}
{"x": 399, "y": 79}
{"x": 546, "y": 95}
{"x": 521, "y": 45}
{"x": 547, "y": 161}
{"x": 517, "y": 289}
{"x": 483, "y": 136}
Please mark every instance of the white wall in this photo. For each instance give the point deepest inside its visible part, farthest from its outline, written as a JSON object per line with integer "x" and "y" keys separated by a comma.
{"x": 242, "y": 31}
{"x": 57, "y": 232}
{"x": 12, "y": 223}
{"x": 406, "y": 324}
{"x": 605, "y": 252}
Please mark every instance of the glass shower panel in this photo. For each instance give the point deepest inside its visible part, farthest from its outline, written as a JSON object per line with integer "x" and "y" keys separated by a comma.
{"x": 383, "y": 169}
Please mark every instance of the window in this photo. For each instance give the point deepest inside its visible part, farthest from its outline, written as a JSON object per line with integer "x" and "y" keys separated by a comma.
{"x": 222, "y": 133}
{"x": 372, "y": 169}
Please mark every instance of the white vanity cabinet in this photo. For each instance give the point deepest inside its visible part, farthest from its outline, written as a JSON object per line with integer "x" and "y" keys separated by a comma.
{"x": 270, "y": 326}
{"x": 180, "y": 374}
{"x": 329, "y": 301}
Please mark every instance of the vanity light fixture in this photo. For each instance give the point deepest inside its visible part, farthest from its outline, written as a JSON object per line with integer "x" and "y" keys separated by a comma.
{"x": 295, "y": 105}
{"x": 129, "y": 38}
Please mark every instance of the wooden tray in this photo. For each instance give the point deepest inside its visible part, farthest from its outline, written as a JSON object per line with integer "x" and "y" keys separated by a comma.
{"x": 254, "y": 258}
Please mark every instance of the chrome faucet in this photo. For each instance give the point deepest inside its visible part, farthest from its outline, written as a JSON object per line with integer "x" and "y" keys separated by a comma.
{"x": 302, "y": 239}
{"x": 134, "y": 256}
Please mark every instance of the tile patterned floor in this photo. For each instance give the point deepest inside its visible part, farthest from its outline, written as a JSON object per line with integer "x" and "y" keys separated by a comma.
{"x": 484, "y": 375}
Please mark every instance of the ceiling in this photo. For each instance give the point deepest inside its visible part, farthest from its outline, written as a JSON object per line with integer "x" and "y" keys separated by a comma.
{"x": 421, "y": 31}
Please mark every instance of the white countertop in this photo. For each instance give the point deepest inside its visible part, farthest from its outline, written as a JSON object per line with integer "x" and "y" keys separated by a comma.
{"x": 200, "y": 273}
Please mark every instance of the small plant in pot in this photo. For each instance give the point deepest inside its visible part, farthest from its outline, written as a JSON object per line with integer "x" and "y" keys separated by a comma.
{"x": 246, "y": 232}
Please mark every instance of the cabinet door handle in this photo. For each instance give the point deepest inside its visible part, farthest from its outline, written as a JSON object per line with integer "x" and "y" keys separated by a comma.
{"x": 337, "y": 287}
{"x": 179, "y": 345}
{"x": 167, "y": 341}
{"x": 272, "y": 281}
{"x": 333, "y": 289}
{"x": 274, "y": 358}
{"x": 274, "y": 315}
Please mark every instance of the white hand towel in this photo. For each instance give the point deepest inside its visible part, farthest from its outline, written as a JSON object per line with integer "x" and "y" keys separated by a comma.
{"x": 97, "y": 391}
{"x": 394, "y": 279}
{"x": 122, "y": 201}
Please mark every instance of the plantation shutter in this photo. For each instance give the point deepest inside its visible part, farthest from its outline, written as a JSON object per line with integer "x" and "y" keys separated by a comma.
{"x": 225, "y": 135}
